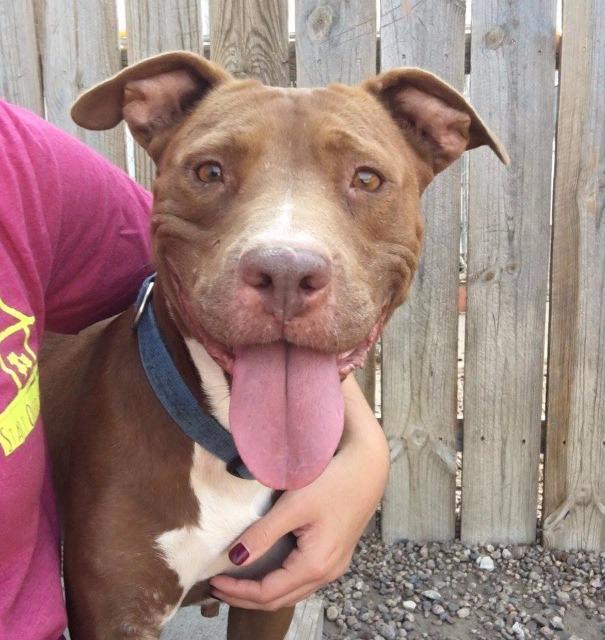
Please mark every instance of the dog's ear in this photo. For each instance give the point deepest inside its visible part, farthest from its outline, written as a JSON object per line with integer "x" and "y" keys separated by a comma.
{"x": 435, "y": 118}
{"x": 152, "y": 96}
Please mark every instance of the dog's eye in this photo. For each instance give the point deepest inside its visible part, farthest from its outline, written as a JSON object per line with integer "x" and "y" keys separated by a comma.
{"x": 367, "y": 180}
{"x": 210, "y": 172}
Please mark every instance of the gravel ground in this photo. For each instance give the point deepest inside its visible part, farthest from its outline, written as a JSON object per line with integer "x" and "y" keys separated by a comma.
{"x": 447, "y": 591}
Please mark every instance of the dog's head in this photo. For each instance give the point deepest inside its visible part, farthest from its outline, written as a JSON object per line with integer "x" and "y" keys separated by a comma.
{"x": 286, "y": 223}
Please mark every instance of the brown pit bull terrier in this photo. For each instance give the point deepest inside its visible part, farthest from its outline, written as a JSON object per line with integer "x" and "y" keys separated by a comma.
{"x": 286, "y": 229}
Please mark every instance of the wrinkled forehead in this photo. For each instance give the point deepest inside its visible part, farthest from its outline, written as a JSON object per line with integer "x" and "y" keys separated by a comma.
{"x": 246, "y": 116}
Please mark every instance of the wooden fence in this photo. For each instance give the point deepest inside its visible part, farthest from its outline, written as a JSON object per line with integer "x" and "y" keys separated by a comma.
{"x": 530, "y": 239}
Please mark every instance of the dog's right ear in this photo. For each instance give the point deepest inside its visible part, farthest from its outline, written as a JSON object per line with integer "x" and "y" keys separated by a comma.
{"x": 152, "y": 96}
{"x": 436, "y": 120}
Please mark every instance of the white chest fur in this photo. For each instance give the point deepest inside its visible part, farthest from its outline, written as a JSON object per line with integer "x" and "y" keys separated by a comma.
{"x": 228, "y": 505}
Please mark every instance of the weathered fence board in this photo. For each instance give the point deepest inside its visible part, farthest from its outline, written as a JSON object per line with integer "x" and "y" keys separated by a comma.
{"x": 250, "y": 38}
{"x": 512, "y": 86}
{"x": 336, "y": 42}
{"x": 420, "y": 345}
{"x": 72, "y": 62}
{"x": 574, "y": 493}
{"x": 157, "y": 26}
{"x": 20, "y": 81}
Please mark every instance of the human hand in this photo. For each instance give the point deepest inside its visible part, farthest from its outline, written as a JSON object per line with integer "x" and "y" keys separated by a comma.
{"x": 327, "y": 517}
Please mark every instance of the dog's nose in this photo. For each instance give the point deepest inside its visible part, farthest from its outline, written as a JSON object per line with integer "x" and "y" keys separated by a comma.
{"x": 289, "y": 281}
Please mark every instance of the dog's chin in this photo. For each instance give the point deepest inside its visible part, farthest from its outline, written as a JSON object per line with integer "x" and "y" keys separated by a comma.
{"x": 346, "y": 361}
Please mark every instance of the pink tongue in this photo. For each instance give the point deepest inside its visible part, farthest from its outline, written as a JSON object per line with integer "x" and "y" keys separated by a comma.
{"x": 286, "y": 413}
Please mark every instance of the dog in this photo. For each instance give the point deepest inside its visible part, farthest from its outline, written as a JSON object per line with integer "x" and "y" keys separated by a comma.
{"x": 286, "y": 229}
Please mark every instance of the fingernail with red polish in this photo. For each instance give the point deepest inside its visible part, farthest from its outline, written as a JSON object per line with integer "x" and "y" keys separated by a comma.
{"x": 239, "y": 554}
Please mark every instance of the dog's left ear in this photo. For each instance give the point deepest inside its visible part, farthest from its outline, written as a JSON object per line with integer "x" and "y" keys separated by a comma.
{"x": 153, "y": 96}
{"x": 435, "y": 118}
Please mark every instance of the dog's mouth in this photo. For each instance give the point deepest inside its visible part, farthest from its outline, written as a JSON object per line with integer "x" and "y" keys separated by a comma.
{"x": 346, "y": 362}
{"x": 286, "y": 410}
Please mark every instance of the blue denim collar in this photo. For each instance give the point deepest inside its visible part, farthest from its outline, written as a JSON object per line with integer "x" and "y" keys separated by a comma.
{"x": 172, "y": 391}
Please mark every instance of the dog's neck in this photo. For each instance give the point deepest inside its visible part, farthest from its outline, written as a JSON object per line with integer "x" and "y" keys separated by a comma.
{"x": 213, "y": 381}
{"x": 204, "y": 377}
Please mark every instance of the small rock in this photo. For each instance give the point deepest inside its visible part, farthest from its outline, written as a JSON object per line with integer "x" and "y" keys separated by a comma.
{"x": 556, "y": 623}
{"x": 534, "y": 575}
{"x": 463, "y": 612}
{"x": 519, "y": 551}
{"x": 517, "y": 631}
{"x": 431, "y": 594}
{"x": 486, "y": 563}
{"x": 437, "y": 609}
{"x": 387, "y": 631}
{"x": 540, "y": 619}
{"x": 331, "y": 613}
{"x": 349, "y": 609}
{"x": 506, "y": 554}
{"x": 562, "y": 598}
{"x": 547, "y": 632}
{"x": 397, "y": 614}
{"x": 409, "y": 605}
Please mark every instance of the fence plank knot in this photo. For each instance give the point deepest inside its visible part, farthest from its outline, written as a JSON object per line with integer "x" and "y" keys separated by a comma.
{"x": 583, "y": 496}
{"x": 416, "y": 438}
{"x": 320, "y": 22}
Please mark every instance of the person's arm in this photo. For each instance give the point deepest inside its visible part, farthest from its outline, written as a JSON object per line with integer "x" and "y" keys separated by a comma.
{"x": 327, "y": 517}
{"x": 103, "y": 253}
{"x": 84, "y": 224}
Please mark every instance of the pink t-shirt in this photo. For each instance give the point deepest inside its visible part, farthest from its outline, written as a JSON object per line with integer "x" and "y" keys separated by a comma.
{"x": 73, "y": 249}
